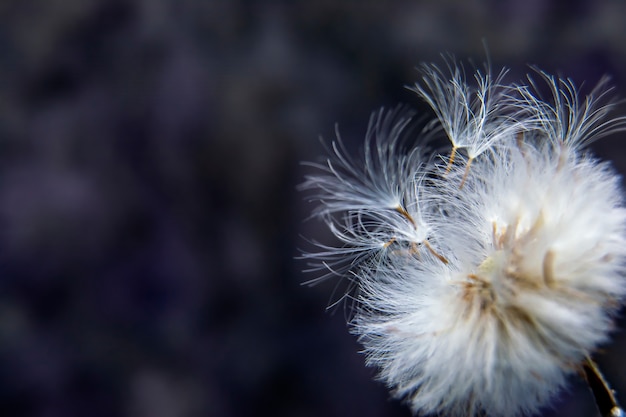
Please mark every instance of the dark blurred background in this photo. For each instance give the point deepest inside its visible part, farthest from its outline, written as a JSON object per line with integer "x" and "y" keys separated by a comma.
{"x": 149, "y": 218}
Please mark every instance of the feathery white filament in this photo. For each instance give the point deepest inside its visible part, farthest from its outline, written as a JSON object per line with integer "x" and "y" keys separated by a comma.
{"x": 568, "y": 119}
{"x": 373, "y": 203}
{"x": 482, "y": 286}
{"x": 475, "y": 117}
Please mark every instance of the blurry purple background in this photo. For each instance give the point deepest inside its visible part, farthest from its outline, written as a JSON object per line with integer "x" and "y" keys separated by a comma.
{"x": 149, "y": 157}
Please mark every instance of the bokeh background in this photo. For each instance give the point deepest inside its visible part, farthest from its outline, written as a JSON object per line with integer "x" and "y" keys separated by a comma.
{"x": 149, "y": 156}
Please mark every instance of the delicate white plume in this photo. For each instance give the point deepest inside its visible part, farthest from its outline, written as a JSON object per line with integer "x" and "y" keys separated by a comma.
{"x": 478, "y": 116}
{"x": 485, "y": 280}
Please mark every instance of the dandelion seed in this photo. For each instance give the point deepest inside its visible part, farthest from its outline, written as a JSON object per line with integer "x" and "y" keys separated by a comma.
{"x": 475, "y": 117}
{"x": 480, "y": 285}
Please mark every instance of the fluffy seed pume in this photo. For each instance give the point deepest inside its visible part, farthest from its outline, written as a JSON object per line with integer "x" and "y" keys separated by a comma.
{"x": 487, "y": 273}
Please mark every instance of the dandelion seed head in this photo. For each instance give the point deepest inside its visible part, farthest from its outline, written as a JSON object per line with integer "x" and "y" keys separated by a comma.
{"x": 482, "y": 283}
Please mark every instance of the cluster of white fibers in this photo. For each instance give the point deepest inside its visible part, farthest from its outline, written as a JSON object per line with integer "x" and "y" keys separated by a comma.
{"x": 486, "y": 275}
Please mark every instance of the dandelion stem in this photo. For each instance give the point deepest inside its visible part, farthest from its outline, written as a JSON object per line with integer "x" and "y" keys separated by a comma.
{"x": 451, "y": 159}
{"x": 406, "y": 214}
{"x": 438, "y": 256}
{"x": 548, "y": 268}
{"x": 603, "y": 394}
{"x": 466, "y": 173}
{"x": 519, "y": 140}
{"x": 389, "y": 243}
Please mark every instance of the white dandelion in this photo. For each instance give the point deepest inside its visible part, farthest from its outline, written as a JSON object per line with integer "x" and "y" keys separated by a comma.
{"x": 484, "y": 282}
